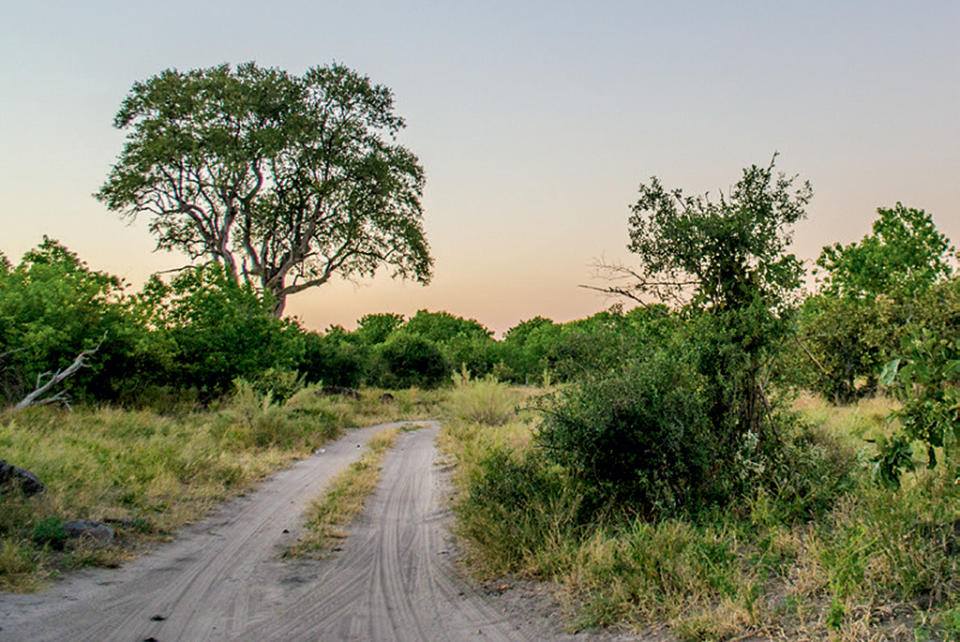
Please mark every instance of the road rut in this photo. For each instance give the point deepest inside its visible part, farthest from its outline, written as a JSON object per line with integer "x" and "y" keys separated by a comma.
{"x": 224, "y": 578}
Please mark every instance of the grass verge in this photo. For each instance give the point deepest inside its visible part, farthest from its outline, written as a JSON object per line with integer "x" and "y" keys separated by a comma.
{"x": 870, "y": 563}
{"x": 345, "y": 499}
{"x": 147, "y": 472}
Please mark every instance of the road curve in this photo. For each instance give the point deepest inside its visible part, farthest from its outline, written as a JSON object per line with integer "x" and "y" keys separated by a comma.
{"x": 224, "y": 578}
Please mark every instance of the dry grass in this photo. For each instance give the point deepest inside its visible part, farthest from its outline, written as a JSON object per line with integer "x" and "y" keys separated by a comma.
{"x": 149, "y": 473}
{"x": 875, "y": 565}
{"x": 865, "y": 418}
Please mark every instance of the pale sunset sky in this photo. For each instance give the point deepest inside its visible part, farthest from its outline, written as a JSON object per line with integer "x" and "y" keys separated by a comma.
{"x": 535, "y": 123}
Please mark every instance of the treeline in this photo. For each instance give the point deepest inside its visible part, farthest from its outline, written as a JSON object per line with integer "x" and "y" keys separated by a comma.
{"x": 190, "y": 336}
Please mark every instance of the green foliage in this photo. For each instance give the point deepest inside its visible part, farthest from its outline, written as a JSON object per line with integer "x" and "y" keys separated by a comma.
{"x": 903, "y": 257}
{"x": 375, "y": 328}
{"x": 526, "y": 345}
{"x": 442, "y": 327}
{"x": 928, "y": 384}
{"x": 842, "y": 343}
{"x": 923, "y": 372}
{"x": 278, "y": 383}
{"x": 334, "y": 358}
{"x": 729, "y": 251}
{"x": 814, "y": 546}
{"x": 52, "y": 307}
{"x": 515, "y": 507}
{"x": 407, "y": 359}
{"x": 462, "y": 343}
{"x": 569, "y": 350}
{"x": 687, "y": 421}
{"x": 731, "y": 255}
{"x": 286, "y": 180}
{"x": 216, "y": 330}
{"x": 894, "y": 455}
{"x": 49, "y": 532}
{"x": 641, "y": 434}
{"x": 872, "y": 293}
{"x": 478, "y": 355}
{"x": 929, "y": 380}
{"x": 597, "y": 343}
{"x": 804, "y": 480}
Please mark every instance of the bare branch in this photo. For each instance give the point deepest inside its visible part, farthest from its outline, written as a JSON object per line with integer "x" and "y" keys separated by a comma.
{"x": 172, "y": 270}
{"x": 35, "y": 397}
{"x": 626, "y": 282}
{"x": 810, "y": 354}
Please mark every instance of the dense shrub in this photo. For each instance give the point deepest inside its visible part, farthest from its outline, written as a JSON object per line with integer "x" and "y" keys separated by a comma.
{"x": 813, "y": 468}
{"x": 925, "y": 377}
{"x": 525, "y": 348}
{"x": 566, "y": 351}
{"x": 407, "y": 359}
{"x": 52, "y": 307}
{"x": 641, "y": 434}
{"x": 441, "y": 327}
{"x": 217, "y": 330}
{"x": 478, "y": 355}
{"x": 872, "y": 292}
{"x": 515, "y": 506}
{"x": 841, "y": 345}
{"x": 375, "y": 328}
{"x": 279, "y": 384}
{"x": 334, "y": 358}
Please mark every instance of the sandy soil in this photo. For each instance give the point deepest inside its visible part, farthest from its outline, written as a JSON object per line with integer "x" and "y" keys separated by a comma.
{"x": 395, "y": 577}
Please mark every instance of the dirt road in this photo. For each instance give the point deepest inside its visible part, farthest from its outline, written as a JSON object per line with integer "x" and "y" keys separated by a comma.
{"x": 224, "y": 578}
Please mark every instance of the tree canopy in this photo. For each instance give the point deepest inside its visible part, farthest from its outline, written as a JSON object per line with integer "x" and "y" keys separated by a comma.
{"x": 725, "y": 250}
{"x": 284, "y": 180}
{"x": 904, "y": 255}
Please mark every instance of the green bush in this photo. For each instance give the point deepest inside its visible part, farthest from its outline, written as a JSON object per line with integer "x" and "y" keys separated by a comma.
{"x": 810, "y": 472}
{"x": 49, "y": 532}
{"x": 442, "y": 327}
{"x": 279, "y": 383}
{"x": 841, "y": 345}
{"x": 335, "y": 358}
{"x": 516, "y": 506}
{"x": 641, "y": 434}
{"x": 407, "y": 360}
{"x": 52, "y": 307}
{"x": 217, "y": 330}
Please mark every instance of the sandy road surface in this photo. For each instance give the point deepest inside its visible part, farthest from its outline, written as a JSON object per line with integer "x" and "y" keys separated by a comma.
{"x": 224, "y": 579}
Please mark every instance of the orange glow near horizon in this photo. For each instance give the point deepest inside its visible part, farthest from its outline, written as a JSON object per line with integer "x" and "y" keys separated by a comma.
{"x": 534, "y": 124}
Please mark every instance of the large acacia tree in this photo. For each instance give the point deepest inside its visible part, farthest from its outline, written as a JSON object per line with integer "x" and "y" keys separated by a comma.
{"x": 284, "y": 180}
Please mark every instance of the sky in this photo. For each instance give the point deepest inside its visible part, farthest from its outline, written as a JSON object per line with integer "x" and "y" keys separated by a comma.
{"x": 535, "y": 123}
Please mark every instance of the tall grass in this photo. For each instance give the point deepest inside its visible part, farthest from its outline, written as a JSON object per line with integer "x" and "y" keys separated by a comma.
{"x": 823, "y": 553}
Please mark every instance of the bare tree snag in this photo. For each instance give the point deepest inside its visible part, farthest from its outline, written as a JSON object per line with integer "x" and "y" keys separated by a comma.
{"x": 36, "y": 398}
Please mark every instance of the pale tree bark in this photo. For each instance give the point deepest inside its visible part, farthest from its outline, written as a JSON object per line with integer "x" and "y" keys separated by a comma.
{"x": 36, "y": 398}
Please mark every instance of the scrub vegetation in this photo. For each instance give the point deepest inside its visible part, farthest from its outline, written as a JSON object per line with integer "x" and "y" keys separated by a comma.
{"x": 733, "y": 457}
{"x": 695, "y": 486}
{"x": 819, "y": 551}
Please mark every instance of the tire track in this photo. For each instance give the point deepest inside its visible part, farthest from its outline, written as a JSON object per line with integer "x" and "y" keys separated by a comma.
{"x": 208, "y": 584}
{"x": 392, "y": 579}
